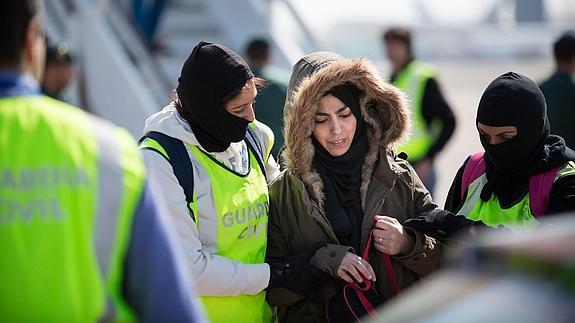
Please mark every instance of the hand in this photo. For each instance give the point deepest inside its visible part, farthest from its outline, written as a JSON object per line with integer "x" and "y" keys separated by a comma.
{"x": 390, "y": 237}
{"x": 353, "y": 267}
{"x": 424, "y": 169}
{"x": 295, "y": 274}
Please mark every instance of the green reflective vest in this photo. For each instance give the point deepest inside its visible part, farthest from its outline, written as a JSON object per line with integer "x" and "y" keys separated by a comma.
{"x": 240, "y": 206}
{"x": 69, "y": 185}
{"x": 412, "y": 80}
{"x": 518, "y": 216}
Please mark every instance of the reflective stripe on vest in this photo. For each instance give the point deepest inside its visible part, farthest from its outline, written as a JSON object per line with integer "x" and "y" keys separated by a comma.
{"x": 412, "y": 80}
{"x": 567, "y": 170}
{"x": 154, "y": 145}
{"x": 121, "y": 183}
{"x": 240, "y": 205}
{"x": 69, "y": 186}
{"x": 517, "y": 216}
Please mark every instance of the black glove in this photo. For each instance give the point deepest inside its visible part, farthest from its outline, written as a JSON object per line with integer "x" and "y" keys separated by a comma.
{"x": 442, "y": 224}
{"x": 296, "y": 273}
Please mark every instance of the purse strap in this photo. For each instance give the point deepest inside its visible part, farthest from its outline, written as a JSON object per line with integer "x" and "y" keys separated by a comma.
{"x": 386, "y": 262}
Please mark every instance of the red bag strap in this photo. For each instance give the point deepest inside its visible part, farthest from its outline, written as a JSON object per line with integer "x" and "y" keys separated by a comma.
{"x": 473, "y": 169}
{"x": 390, "y": 273}
{"x": 386, "y": 262}
{"x": 363, "y": 300}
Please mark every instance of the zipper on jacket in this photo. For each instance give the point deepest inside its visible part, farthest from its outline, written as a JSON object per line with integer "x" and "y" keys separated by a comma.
{"x": 382, "y": 202}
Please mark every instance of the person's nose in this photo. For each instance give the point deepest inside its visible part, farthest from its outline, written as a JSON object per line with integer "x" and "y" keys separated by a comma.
{"x": 335, "y": 126}
{"x": 249, "y": 114}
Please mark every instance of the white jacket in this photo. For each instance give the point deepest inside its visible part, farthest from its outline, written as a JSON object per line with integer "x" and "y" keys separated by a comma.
{"x": 214, "y": 275}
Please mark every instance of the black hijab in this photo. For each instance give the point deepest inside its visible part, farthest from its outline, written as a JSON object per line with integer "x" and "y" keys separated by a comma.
{"x": 341, "y": 175}
{"x": 515, "y": 100}
{"x": 210, "y": 73}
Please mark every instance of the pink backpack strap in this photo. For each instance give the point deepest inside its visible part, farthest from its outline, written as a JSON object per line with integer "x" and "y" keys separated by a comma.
{"x": 473, "y": 169}
{"x": 539, "y": 190}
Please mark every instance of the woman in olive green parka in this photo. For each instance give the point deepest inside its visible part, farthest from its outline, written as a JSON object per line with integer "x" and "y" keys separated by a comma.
{"x": 388, "y": 186}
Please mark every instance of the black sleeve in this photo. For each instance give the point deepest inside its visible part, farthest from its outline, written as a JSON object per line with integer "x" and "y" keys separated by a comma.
{"x": 445, "y": 224}
{"x": 442, "y": 224}
{"x": 435, "y": 107}
{"x": 454, "y": 200}
{"x": 562, "y": 196}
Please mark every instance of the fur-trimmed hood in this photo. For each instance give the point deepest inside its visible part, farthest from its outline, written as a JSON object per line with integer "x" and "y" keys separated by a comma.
{"x": 383, "y": 107}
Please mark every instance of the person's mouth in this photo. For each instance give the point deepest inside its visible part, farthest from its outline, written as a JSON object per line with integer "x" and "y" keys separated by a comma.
{"x": 338, "y": 142}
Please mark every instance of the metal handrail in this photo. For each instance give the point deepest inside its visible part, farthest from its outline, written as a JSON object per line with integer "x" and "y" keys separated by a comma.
{"x": 131, "y": 41}
{"x": 308, "y": 33}
{"x": 137, "y": 50}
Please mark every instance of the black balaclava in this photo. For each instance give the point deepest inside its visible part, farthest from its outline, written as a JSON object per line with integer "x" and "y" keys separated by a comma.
{"x": 210, "y": 73}
{"x": 341, "y": 175}
{"x": 515, "y": 100}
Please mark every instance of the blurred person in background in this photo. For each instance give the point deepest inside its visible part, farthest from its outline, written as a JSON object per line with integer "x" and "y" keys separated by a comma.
{"x": 147, "y": 14}
{"x": 433, "y": 120}
{"x": 559, "y": 89}
{"x": 525, "y": 172}
{"x": 59, "y": 70}
{"x": 212, "y": 159}
{"x": 271, "y": 98}
{"x": 344, "y": 184}
{"x": 83, "y": 237}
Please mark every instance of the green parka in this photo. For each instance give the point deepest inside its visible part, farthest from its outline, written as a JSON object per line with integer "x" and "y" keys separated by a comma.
{"x": 389, "y": 186}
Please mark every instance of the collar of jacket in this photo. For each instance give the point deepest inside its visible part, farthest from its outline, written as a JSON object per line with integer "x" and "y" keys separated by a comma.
{"x": 383, "y": 107}
{"x": 17, "y": 84}
{"x": 383, "y": 179}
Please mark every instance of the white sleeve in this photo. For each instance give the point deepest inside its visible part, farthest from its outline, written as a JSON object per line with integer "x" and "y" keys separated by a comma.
{"x": 266, "y": 136}
{"x": 214, "y": 275}
{"x": 272, "y": 169}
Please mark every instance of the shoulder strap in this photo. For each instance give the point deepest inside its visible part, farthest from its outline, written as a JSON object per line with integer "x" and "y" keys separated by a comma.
{"x": 539, "y": 190}
{"x": 256, "y": 147}
{"x": 539, "y": 185}
{"x": 473, "y": 169}
{"x": 386, "y": 263}
{"x": 179, "y": 159}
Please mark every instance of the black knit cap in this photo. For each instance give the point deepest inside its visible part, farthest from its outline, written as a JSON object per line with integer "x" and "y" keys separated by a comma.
{"x": 210, "y": 73}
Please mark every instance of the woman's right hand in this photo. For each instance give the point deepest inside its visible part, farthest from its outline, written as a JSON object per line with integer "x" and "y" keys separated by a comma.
{"x": 353, "y": 267}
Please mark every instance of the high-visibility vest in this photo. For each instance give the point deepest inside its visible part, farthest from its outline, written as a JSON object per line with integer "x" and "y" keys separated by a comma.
{"x": 520, "y": 215}
{"x": 240, "y": 205}
{"x": 412, "y": 80}
{"x": 69, "y": 186}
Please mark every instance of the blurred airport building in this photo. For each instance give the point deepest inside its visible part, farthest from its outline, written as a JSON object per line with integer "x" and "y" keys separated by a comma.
{"x": 123, "y": 79}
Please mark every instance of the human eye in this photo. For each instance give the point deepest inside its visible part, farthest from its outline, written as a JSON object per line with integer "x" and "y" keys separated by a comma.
{"x": 247, "y": 105}
{"x": 239, "y": 111}
{"x": 484, "y": 135}
{"x": 345, "y": 113}
{"x": 320, "y": 120}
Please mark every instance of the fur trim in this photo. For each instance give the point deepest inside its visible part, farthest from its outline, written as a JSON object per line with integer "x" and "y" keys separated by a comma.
{"x": 383, "y": 107}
